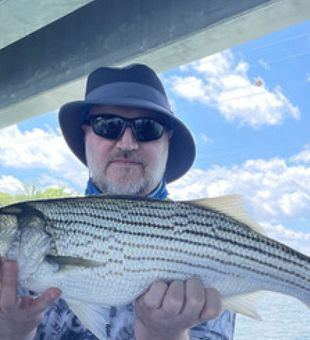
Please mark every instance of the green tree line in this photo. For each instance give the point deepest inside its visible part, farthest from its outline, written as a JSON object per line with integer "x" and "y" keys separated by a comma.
{"x": 32, "y": 192}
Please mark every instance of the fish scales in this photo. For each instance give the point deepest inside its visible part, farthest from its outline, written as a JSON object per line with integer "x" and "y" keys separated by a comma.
{"x": 91, "y": 221}
{"x": 114, "y": 217}
{"x": 119, "y": 221}
{"x": 107, "y": 250}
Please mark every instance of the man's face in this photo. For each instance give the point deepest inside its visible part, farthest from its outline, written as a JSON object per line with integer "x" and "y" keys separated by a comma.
{"x": 125, "y": 166}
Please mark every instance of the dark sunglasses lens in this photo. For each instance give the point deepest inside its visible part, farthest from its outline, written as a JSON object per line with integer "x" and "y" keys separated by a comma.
{"x": 147, "y": 129}
{"x": 110, "y": 128}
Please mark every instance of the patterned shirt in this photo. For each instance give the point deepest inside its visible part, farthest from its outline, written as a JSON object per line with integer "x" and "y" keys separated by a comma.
{"x": 60, "y": 323}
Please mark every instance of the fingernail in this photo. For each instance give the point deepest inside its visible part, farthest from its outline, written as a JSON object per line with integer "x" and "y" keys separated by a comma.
{"x": 55, "y": 293}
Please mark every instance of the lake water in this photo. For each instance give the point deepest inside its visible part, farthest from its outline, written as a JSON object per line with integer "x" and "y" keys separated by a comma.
{"x": 284, "y": 318}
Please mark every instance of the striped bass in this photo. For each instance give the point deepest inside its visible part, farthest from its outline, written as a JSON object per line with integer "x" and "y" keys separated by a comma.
{"x": 106, "y": 250}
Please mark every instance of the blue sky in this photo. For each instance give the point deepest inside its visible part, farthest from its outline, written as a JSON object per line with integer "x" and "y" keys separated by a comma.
{"x": 248, "y": 109}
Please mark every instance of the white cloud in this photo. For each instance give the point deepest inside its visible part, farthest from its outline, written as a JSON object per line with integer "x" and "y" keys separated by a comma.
{"x": 273, "y": 191}
{"x": 40, "y": 149}
{"x": 57, "y": 181}
{"x": 34, "y": 148}
{"x": 11, "y": 185}
{"x": 308, "y": 77}
{"x": 219, "y": 63}
{"x": 264, "y": 64}
{"x": 205, "y": 139}
{"x": 219, "y": 81}
{"x": 296, "y": 239}
{"x": 191, "y": 88}
{"x": 303, "y": 156}
{"x": 272, "y": 188}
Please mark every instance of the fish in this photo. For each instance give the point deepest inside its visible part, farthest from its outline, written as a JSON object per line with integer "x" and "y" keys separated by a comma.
{"x": 107, "y": 250}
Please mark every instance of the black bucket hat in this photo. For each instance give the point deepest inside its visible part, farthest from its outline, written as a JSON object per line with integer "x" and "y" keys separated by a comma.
{"x": 137, "y": 86}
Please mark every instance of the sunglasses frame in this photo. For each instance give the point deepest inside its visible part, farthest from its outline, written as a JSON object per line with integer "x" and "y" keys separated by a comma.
{"x": 128, "y": 122}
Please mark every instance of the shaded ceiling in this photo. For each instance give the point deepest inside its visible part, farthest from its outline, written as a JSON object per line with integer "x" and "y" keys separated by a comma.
{"x": 47, "y": 47}
{"x": 19, "y": 18}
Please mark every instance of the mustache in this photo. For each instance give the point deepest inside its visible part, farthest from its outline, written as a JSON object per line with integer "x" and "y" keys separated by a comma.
{"x": 127, "y": 155}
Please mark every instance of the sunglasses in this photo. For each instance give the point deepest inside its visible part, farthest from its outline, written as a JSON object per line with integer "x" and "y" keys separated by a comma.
{"x": 112, "y": 127}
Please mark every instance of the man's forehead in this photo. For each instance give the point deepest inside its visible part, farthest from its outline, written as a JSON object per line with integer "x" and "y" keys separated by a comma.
{"x": 124, "y": 111}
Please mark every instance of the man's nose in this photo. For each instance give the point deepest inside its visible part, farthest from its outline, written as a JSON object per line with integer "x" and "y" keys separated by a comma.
{"x": 127, "y": 141}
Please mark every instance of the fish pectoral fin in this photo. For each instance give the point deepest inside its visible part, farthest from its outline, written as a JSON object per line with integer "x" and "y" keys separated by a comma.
{"x": 231, "y": 205}
{"x": 244, "y": 304}
{"x": 65, "y": 261}
{"x": 90, "y": 315}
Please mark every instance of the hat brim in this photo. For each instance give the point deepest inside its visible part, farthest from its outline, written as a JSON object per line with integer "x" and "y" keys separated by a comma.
{"x": 181, "y": 148}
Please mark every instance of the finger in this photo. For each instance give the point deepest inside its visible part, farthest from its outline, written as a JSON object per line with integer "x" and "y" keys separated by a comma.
{"x": 24, "y": 302}
{"x": 1, "y": 269}
{"x": 0, "y": 273}
{"x": 213, "y": 304}
{"x": 153, "y": 298}
{"x": 194, "y": 298}
{"x": 42, "y": 302}
{"x": 9, "y": 284}
{"x": 174, "y": 299}
{"x": 33, "y": 318}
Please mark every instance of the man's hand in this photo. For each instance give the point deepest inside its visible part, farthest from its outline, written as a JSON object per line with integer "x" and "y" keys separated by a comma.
{"x": 169, "y": 311}
{"x": 19, "y": 316}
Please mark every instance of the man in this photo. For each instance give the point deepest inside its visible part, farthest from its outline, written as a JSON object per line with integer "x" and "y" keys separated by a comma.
{"x": 126, "y": 134}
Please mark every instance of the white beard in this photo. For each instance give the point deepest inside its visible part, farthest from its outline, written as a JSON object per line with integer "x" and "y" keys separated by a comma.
{"x": 129, "y": 188}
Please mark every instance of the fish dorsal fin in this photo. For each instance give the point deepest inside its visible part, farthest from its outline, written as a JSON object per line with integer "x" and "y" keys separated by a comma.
{"x": 232, "y": 206}
{"x": 244, "y": 304}
{"x": 90, "y": 315}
